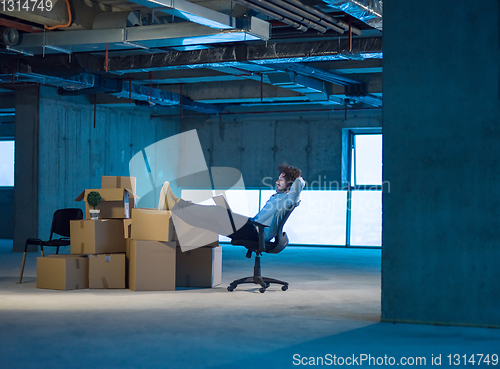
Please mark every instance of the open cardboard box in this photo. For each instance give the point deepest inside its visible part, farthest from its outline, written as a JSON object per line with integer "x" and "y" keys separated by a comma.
{"x": 121, "y": 182}
{"x": 114, "y": 202}
{"x": 152, "y": 225}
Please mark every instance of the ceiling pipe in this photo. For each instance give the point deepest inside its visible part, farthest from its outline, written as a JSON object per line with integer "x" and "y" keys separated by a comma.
{"x": 272, "y": 14}
{"x": 295, "y": 11}
{"x": 306, "y": 14}
{"x": 288, "y": 14}
{"x": 9, "y": 36}
{"x": 19, "y": 26}
{"x": 324, "y": 16}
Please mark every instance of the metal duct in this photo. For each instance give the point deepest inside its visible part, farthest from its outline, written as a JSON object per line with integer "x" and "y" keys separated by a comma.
{"x": 355, "y": 90}
{"x": 156, "y": 96}
{"x": 154, "y": 36}
{"x": 358, "y": 92}
{"x": 137, "y": 92}
{"x": 81, "y": 81}
{"x": 191, "y": 12}
{"x": 321, "y": 74}
{"x": 368, "y": 11}
{"x": 240, "y": 55}
{"x": 116, "y": 19}
{"x": 314, "y": 90}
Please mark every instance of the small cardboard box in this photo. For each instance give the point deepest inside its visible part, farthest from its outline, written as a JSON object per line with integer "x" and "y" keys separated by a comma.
{"x": 62, "y": 272}
{"x": 151, "y": 265}
{"x": 201, "y": 267}
{"x": 114, "y": 202}
{"x": 120, "y": 182}
{"x": 97, "y": 236}
{"x": 107, "y": 271}
{"x": 152, "y": 225}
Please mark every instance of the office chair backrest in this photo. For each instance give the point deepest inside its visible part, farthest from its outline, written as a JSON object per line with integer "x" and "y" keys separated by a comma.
{"x": 61, "y": 219}
{"x": 281, "y": 239}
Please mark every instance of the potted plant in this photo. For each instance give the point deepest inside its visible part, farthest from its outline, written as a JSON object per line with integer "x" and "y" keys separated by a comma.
{"x": 94, "y": 199}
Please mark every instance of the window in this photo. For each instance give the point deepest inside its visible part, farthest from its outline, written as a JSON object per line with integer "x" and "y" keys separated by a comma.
{"x": 6, "y": 163}
{"x": 366, "y": 159}
{"x": 362, "y": 176}
{"x": 349, "y": 216}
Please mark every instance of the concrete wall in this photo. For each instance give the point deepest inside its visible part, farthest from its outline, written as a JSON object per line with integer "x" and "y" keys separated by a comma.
{"x": 73, "y": 155}
{"x": 7, "y": 206}
{"x": 441, "y": 258}
{"x": 257, "y": 143}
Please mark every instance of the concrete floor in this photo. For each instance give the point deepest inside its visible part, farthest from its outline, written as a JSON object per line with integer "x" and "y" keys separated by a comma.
{"x": 331, "y": 308}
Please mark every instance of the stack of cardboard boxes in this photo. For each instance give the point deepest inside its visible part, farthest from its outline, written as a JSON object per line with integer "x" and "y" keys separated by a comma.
{"x": 138, "y": 246}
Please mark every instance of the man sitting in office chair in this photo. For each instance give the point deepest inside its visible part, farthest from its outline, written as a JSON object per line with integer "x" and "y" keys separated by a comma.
{"x": 213, "y": 218}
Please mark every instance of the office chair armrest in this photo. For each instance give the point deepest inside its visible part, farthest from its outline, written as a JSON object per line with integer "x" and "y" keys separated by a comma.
{"x": 258, "y": 224}
{"x": 262, "y": 242}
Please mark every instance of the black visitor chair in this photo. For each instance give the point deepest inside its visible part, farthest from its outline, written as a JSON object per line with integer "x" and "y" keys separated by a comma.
{"x": 60, "y": 226}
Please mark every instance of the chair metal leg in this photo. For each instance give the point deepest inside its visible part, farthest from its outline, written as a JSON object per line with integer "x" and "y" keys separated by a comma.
{"x": 23, "y": 263}
{"x": 28, "y": 242}
{"x": 57, "y": 250}
{"x": 41, "y": 249}
{"x": 22, "y": 267}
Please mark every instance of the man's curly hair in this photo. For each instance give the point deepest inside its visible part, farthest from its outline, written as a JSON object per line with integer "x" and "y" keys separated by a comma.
{"x": 290, "y": 173}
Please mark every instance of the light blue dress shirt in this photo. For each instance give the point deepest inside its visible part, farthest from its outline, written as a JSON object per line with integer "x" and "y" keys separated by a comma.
{"x": 275, "y": 209}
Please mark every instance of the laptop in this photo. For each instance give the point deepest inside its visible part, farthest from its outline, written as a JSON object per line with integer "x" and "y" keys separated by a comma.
{"x": 220, "y": 200}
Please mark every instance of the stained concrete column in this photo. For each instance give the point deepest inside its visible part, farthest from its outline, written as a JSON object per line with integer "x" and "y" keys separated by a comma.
{"x": 440, "y": 248}
{"x": 26, "y": 166}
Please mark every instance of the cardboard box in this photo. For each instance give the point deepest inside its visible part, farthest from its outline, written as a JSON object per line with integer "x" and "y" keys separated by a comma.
{"x": 114, "y": 202}
{"x": 151, "y": 265}
{"x": 127, "y": 227}
{"x": 62, "y": 272}
{"x": 152, "y": 225}
{"x": 120, "y": 182}
{"x": 97, "y": 236}
{"x": 201, "y": 267}
{"x": 107, "y": 271}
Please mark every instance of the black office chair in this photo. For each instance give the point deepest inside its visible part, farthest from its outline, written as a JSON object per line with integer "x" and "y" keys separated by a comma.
{"x": 279, "y": 243}
{"x": 60, "y": 225}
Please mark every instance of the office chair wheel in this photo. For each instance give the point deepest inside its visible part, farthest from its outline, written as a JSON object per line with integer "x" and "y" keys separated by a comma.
{"x": 230, "y": 288}
{"x": 284, "y": 288}
{"x": 262, "y": 290}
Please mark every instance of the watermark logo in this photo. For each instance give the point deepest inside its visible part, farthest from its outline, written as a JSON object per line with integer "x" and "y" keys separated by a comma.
{"x": 180, "y": 161}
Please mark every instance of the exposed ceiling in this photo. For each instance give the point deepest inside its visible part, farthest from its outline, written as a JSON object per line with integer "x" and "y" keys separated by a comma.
{"x": 208, "y": 56}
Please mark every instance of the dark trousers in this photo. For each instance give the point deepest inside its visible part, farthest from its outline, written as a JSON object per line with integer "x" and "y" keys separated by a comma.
{"x": 247, "y": 232}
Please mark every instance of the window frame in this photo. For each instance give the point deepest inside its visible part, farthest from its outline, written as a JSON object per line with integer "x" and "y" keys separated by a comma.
{"x": 348, "y": 135}
{"x": 348, "y": 147}
{"x": 8, "y": 138}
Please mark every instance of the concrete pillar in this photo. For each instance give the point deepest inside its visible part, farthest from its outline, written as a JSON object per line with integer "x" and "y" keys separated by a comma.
{"x": 26, "y": 166}
{"x": 440, "y": 253}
